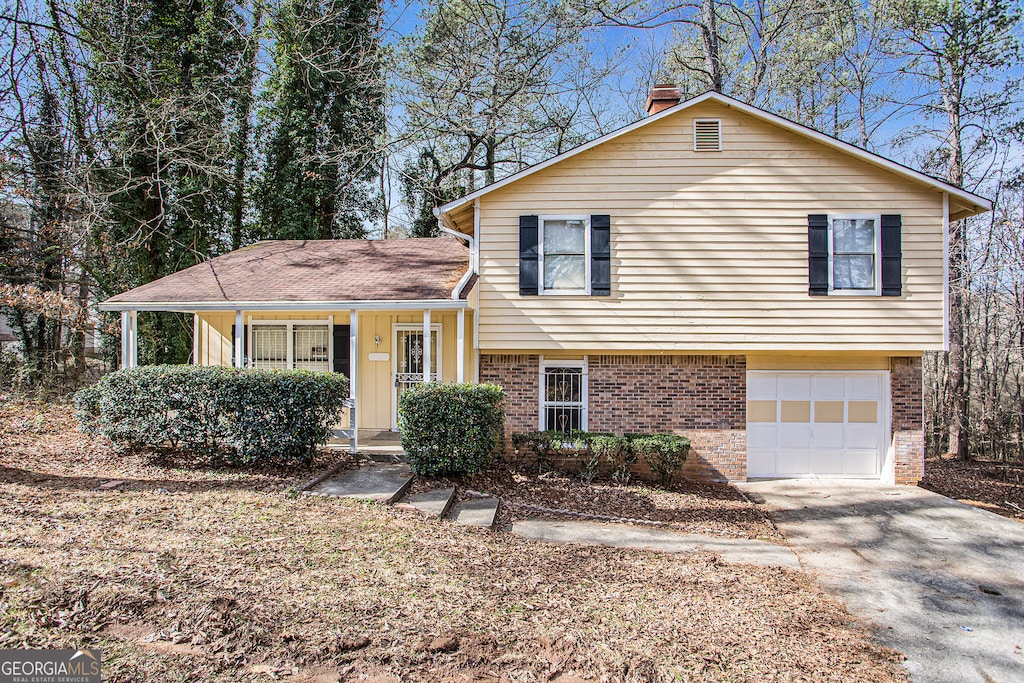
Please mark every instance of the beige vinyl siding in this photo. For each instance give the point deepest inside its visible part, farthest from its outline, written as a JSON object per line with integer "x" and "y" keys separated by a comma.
{"x": 215, "y": 338}
{"x": 709, "y": 249}
{"x": 374, "y": 379}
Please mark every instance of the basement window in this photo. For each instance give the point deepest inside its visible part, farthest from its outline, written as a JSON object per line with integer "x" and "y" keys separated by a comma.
{"x": 707, "y": 135}
{"x": 563, "y": 400}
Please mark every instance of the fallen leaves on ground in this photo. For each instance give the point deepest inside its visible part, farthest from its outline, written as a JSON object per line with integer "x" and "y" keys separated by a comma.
{"x": 221, "y": 575}
{"x": 993, "y": 486}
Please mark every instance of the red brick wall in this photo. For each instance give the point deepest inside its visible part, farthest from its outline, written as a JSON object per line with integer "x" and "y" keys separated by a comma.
{"x": 907, "y": 419}
{"x": 519, "y": 375}
{"x": 700, "y": 397}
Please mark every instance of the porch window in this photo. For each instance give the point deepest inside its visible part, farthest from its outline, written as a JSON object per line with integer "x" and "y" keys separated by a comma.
{"x": 291, "y": 346}
{"x": 563, "y": 401}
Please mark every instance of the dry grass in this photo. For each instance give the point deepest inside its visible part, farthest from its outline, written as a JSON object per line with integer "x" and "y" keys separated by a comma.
{"x": 184, "y": 574}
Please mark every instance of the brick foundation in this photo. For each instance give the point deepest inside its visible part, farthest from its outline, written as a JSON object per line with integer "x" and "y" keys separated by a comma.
{"x": 907, "y": 420}
{"x": 700, "y": 397}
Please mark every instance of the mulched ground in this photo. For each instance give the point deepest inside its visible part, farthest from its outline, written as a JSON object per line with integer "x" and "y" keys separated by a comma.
{"x": 187, "y": 574}
{"x": 996, "y": 487}
{"x": 690, "y": 507}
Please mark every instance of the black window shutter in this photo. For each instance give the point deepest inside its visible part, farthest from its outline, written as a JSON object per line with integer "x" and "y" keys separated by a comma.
{"x": 528, "y": 229}
{"x": 600, "y": 255}
{"x": 245, "y": 344}
{"x": 342, "y": 350}
{"x": 892, "y": 255}
{"x": 817, "y": 254}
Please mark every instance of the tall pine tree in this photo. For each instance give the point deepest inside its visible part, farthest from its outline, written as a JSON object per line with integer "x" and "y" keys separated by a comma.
{"x": 322, "y": 123}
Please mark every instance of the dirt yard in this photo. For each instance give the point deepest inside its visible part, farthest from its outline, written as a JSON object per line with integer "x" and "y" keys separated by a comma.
{"x": 996, "y": 487}
{"x": 183, "y": 574}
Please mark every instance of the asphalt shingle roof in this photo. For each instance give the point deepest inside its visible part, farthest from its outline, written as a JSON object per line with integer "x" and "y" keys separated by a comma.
{"x": 317, "y": 270}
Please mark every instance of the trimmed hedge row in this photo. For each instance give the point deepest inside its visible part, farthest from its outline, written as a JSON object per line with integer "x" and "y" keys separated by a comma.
{"x": 665, "y": 454}
{"x": 451, "y": 428}
{"x": 218, "y": 413}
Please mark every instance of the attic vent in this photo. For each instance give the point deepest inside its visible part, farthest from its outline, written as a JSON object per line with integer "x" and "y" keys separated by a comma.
{"x": 707, "y": 135}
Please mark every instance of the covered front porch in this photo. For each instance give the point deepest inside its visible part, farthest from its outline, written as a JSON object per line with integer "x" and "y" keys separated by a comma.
{"x": 382, "y": 344}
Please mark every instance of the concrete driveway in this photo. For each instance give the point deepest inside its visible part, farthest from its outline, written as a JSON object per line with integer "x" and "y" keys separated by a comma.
{"x": 940, "y": 581}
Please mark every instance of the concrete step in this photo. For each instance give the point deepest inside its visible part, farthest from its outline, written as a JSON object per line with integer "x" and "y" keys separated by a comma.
{"x": 383, "y": 482}
{"x": 476, "y": 512}
{"x": 433, "y": 503}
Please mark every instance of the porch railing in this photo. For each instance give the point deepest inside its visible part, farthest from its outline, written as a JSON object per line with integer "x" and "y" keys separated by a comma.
{"x": 351, "y": 432}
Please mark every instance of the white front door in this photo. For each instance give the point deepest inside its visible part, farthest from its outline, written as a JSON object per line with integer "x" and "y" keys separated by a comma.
{"x": 407, "y": 368}
{"x": 817, "y": 424}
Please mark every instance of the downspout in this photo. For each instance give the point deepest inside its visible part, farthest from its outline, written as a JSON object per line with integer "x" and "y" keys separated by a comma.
{"x": 445, "y": 225}
{"x": 476, "y": 267}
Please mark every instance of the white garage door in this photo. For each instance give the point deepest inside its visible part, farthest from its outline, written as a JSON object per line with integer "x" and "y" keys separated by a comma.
{"x": 824, "y": 424}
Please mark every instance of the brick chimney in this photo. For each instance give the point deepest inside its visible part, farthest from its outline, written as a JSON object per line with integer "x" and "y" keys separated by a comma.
{"x": 663, "y": 96}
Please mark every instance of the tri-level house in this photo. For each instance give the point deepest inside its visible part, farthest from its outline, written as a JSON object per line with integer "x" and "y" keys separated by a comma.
{"x": 711, "y": 270}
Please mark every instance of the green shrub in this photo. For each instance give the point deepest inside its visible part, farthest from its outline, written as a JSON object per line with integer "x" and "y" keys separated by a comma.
{"x": 586, "y": 452}
{"x": 665, "y": 454}
{"x": 451, "y": 428}
{"x": 616, "y": 451}
{"x": 87, "y": 408}
{"x": 214, "y": 412}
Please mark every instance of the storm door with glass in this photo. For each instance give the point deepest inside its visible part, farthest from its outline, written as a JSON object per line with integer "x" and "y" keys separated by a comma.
{"x": 408, "y": 364}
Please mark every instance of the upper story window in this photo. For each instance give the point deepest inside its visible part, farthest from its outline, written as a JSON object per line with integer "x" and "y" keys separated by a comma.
{"x": 854, "y": 249}
{"x": 855, "y": 254}
{"x": 565, "y": 254}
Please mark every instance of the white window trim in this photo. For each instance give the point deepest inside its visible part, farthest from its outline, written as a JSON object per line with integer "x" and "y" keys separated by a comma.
{"x": 877, "y": 291}
{"x": 585, "y": 389}
{"x": 290, "y": 325}
{"x": 587, "y": 256}
{"x": 719, "y": 122}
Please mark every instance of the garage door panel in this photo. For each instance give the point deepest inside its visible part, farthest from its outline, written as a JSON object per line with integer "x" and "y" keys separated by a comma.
{"x": 862, "y": 436}
{"x": 793, "y": 461}
{"x": 828, "y": 387}
{"x": 860, "y": 462}
{"x": 794, "y": 387}
{"x": 863, "y": 387}
{"x": 761, "y": 387}
{"x": 828, "y": 436}
{"x": 829, "y": 423}
{"x": 760, "y": 463}
{"x": 794, "y": 436}
{"x": 765, "y": 436}
{"x": 827, "y": 462}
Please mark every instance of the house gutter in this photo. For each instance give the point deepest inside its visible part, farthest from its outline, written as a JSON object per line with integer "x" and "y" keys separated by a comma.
{"x": 445, "y": 224}
{"x": 363, "y": 305}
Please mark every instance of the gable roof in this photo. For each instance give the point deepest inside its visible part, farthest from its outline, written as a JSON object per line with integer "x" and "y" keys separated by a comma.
{"x": 314, "y": 272}
{"x": 975, "y": 202}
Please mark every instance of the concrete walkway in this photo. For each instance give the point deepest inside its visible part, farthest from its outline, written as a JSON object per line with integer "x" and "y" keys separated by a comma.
{"x": 940, "y": 581}
{"x": 732, "y": 550}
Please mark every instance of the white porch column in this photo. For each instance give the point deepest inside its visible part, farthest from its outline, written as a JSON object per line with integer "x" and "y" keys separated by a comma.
{"x": 129, "y": 339}
{"x": 426, "y": 345}
{"x": 353, "y": 352}
{"x": 239, "y": 340}
{"x": 195, "y": 339}
{"x": 460, "y": 347}
{"x": 353, "y": 374}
